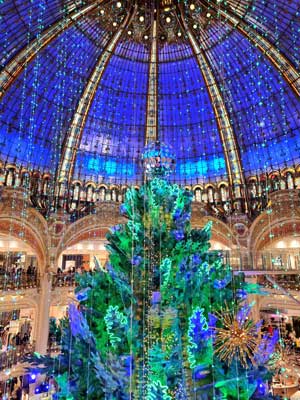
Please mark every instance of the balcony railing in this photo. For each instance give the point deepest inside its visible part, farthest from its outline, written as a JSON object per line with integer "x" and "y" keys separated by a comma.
{"x": 277, "y": 261}
{"x": 80, "y": 197}
{"x": 13, "y": 355}
{"x": 63, "y": 280}
{"x": 15, "y": 281}
{"x": 268, "y": 261}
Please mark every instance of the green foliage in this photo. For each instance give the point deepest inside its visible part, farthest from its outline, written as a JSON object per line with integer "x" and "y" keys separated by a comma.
{"x": 116, "y": 326}
{"x": 149, "y": 311}
{"x": 157, "y": 391}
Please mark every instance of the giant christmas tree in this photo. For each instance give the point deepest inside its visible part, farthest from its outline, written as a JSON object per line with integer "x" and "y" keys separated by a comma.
{"x": 165, "y": 319}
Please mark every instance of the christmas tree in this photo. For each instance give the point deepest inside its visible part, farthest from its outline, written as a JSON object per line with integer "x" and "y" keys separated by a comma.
{"x": 165, "y": 319}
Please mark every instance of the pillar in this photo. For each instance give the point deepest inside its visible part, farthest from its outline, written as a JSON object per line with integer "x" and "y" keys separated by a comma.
{"x": 43, "y": 314}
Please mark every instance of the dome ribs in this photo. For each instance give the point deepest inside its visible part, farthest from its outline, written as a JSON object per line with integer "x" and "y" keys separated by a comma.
{"x": 72, "y": 142}
{"x": 11, "y": 71}
{"x": 228, "y": 139}
{"x": 152, "y": 114}
{"x": 279, "y": 61}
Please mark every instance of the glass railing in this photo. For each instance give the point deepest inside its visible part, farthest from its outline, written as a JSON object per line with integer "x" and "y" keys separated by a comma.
{"x": 273, "y": 261}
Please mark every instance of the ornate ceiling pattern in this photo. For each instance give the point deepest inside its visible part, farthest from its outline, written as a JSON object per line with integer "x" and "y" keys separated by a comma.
{"x": 83, "y": 82}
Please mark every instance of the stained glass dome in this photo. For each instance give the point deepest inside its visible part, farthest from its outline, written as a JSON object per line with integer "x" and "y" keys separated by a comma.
{"x": 85, "y": 85}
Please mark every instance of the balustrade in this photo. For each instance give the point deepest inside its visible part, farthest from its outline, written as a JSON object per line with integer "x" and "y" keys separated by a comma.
{"x": 15, "y": 281}
{"x": 63, "y": 279}
{"x": 219, "y": 198}
{"x": 14, "y": 355}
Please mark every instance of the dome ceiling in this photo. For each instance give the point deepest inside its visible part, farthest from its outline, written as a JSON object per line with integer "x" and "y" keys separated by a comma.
{"x": 85, "y": 85}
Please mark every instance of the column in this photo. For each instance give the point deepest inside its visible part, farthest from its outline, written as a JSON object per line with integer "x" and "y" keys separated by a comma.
{"x": 43, "y": 314}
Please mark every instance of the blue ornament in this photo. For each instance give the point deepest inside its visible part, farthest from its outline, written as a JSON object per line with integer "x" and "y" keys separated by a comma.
{"x": 123, "y": 209}
{"x": 129, "y": 365}
{"x": 117, "y": 228}
{"x": 156, "y": 297}
{"x": 176, "y": 214}
{"x": 83, "y": 294}
{"x": 241, "y": 294}
{"x": 136, "y": 260}
{"x": 158, "y": 160}
{"x": 178, "y": 234}
{"x": 200, "y": 372}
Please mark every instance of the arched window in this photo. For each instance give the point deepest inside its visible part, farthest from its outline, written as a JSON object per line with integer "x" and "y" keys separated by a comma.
{"x": 290, "y": 181}
{"x": 198, "y": 195}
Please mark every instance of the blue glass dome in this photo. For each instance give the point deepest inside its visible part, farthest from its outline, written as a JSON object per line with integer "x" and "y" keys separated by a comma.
{"x": 85, "y": 84}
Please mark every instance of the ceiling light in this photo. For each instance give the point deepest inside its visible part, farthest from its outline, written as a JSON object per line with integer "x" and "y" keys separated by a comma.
{"x": 195, "y": 26}
{"x": 129, "y": 33}
{"x": 168, "y": 20}
{"x": 102, "y": 12}
{"x": 192, "y": 7}
{"x": 114, "y": 23}
{"x": 141, "y": 18}
{"x": 208, "y": 15}
{"x": 179, "y": 34}
{"x": 146, "y": 37}
{"x": 119, "y": 4}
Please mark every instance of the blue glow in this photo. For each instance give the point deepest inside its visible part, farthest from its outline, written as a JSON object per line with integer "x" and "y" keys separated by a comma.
{"x": 37, "y": 109}
{"x": 265, "y": 116}
{"x": 190, "y": 169}
{"x": 116, "y": 122}
{"x": 108, "y": 167}
{"x": 186, "y": 117}
{"x": 35, "y": 115}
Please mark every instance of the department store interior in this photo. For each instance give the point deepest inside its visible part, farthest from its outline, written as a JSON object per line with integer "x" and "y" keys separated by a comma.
{"x": 85, "y": 86}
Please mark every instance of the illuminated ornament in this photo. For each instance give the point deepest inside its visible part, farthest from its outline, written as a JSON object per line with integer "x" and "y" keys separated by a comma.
{"x": 158, "y": 160}
{"x": 238, "y": 338}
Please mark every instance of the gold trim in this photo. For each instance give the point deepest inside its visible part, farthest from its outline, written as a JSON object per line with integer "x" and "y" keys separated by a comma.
{"x": 66, "y": 165}
{"x": 12, "y": 70}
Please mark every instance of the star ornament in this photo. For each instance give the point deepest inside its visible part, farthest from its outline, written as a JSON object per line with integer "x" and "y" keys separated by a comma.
{"x": 237, "y": 338}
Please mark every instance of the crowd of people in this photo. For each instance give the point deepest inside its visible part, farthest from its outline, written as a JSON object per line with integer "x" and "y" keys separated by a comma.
{"x": 16, "y": 275}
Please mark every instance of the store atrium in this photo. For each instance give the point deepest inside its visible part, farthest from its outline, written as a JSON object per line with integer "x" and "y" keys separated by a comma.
{"x": 132, "y": 134}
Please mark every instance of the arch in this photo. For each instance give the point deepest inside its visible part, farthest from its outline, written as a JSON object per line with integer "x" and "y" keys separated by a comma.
{"x": 195, "y": 187}
{"x": 25, "y": 223}
{"x": 220, "y": 231}
{"x": 96, "y": 225}
{"x": 222, "y": 183}
{"x": 208, "y": 185}
{"x": 251, "y": 179}
{"x": 288, "y": 169}
{"x": 263, "y": 231}
{"x": 102, "y": 185}
{"x": 75, "y": 182}
{"x": 19, "y": 229}
{"x": 90, "y": 183}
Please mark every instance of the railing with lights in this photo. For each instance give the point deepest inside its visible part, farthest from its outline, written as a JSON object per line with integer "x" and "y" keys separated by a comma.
{"x": 63, "y": 280}
{"x": 13, "y": 355}
{"x": 81, "y": 197}
{"x": 14, "y": 281}
{"x": 275, "y": 261}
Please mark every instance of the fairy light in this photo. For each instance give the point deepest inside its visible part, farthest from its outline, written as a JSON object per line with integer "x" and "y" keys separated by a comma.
{"x": 256, "y": 106}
